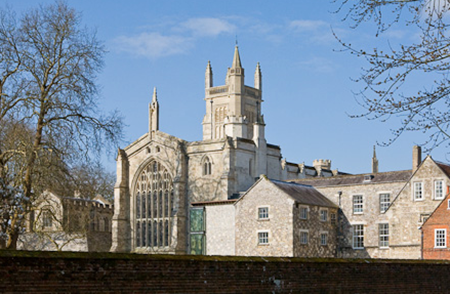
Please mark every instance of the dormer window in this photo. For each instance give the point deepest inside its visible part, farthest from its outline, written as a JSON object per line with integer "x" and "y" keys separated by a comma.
{"x": 368, "y": 178}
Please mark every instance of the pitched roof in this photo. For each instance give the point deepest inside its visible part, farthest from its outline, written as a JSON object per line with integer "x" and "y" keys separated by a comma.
{"x": 304, "y": 194}
{"x": 386, "y": 177}
{"x": 445, "y": 167}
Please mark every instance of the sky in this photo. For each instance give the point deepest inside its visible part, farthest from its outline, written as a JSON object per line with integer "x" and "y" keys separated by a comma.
{"x": 308, "y": 83}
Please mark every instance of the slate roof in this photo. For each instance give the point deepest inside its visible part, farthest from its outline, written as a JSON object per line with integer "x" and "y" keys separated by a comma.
{"x": 304, "y": 194}
{"x": 445, "y": 168}
{"x": 386, "y": 177}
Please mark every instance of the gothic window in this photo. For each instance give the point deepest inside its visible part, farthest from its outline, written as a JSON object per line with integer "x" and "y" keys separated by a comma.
{"x": 207, "y": 167}
{"x": 48, "y": 220}
{"x": 153, "y": 220}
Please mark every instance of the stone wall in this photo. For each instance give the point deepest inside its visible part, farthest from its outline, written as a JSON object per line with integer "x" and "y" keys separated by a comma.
{"x": 220, "y": 229}
{"x": 315, "y": 227}
{"x": 278, "y": 225}
{"x": 51, "y": 272}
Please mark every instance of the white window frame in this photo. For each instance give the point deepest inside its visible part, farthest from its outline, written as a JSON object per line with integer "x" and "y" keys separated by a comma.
{"x": 333, "y": 218}
{"x": 440, "y": 238}
{"x": 448, "y": 202}
{"x": 359, "y": 205}
{"x": 358, "y": 240}
{"x": 263, "y": 237}
{"x": 259, "y": 212}
{"x": 384, "y": 205}
{"x": 323, "y": 214}
{"x": 306, "y": 209}
{"x": 439, "y": 190}
{"x": 417, "y": 191}
{"x": 383, "y": 235}
{"x": 304, "y": 233}
{"x": 323, "y": 238}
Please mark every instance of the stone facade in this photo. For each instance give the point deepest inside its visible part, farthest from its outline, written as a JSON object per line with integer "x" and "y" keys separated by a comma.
{"x": 269, "y": 221}
{"x": 220, "y": 167}
{"x": 68, "y": 224}
{"x": 384, "y": 211}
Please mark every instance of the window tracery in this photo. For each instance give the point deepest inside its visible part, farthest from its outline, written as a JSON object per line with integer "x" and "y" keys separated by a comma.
{"x": 154, "y": 207}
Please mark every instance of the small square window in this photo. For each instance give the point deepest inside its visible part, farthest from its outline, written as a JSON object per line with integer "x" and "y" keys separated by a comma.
{"x": 263, "y": 212}
{"x": 333, "y": 218}
{"x": 438, "y": 190}
{"x": 303, "y": 212}
{"x": 440, "y": 238}
{"x": 358, "y": 236}
{"x": 385, "y": 201}
{"x": 263, "y": 238}
{"x": 323, "y": 215}
{"x": 384, "y": 235}
{"x": 324, "y": 239}
{"x": 358, "y": 204}
{"x": 303, "y": 237}
{"x": 418, "y": 191}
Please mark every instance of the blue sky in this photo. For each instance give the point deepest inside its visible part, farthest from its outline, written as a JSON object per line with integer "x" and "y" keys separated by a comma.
{"x": 307, "y": 86}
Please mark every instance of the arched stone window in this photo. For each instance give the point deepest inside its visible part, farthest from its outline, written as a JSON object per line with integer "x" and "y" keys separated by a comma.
{"x": 153, "y": 201}
{"x": 207, "y": 166}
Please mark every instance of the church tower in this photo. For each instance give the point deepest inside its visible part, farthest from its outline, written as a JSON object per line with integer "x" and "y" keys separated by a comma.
{"x": 232, "y": 109}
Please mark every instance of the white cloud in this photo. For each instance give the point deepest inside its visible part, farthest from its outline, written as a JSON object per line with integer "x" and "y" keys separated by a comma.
{"x": 320, "y": 65}
{"x": 208, "y": 27}
{"x": 307, "y": 25}
{"x": 153, "y": 45}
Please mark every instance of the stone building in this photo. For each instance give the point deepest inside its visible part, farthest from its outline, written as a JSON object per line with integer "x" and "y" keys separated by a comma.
{"x": 175, "y": 196}
{"x": 381, "y": 212}
{"x": 159, "y": 176}
{"x": 275, "y": 218}
{"x": 68, "y": 224}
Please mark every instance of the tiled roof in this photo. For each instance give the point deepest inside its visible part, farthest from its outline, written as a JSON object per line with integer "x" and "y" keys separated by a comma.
{"x": 445, "y": 168}
{"x": 395, "y": 176}
{"x": 304, "y": 194}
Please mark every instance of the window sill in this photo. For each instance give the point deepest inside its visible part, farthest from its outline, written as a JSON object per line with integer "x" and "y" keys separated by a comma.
{"x": 384, "y": 248}
{"x": 267, "y": 244}
{"x": 263, "y": 219}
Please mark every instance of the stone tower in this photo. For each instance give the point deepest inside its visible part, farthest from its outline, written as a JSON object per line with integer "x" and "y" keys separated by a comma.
{"x": 233, "y": 109}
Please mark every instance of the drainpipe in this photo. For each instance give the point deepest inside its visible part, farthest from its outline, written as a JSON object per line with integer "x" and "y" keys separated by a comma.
{"x": 421, "y": 243}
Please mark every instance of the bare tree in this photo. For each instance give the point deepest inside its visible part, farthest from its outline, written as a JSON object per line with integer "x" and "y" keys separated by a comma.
{"x": 390, "y": 87}
{"x": 47, "y": 83}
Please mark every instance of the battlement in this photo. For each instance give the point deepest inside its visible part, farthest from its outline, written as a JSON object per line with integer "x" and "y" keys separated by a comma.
{"x": 322, "y": 164}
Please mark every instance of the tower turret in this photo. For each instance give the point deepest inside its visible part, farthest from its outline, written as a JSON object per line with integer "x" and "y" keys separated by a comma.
{"x": 374, "y": 161}
{"x": 153, "y": 115}
{"x": 208, "y": 76}
{"x": 258, "y": 77}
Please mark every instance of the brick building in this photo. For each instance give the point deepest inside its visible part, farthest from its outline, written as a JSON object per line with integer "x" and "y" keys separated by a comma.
{"x": 435, "y": 232}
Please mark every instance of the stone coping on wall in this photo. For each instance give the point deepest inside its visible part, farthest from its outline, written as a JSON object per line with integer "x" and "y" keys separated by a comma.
{"x": 130, "y": 256}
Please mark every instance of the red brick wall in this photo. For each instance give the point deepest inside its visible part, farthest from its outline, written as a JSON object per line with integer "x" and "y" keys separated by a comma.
{"x": 440, "y": 219}
{"x": 44, "y": 272}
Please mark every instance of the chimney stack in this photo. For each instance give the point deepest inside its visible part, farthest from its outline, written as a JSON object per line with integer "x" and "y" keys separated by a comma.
{"x": 417, "y": 157}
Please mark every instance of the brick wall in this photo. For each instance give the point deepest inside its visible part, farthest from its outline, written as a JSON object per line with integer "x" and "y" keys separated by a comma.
{"x": 45, "y": 272}
{"x": 440, "y": 219}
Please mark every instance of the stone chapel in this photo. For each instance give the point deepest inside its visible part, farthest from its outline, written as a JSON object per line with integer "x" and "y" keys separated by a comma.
{"x": 159, "y": 175}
